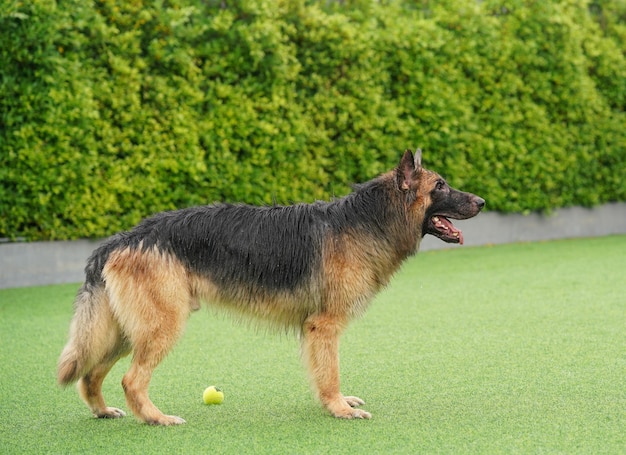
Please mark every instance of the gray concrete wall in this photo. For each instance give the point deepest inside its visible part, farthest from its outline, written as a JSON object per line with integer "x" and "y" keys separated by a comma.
{"x": 38, "y": 263}
{"x": 495, "y": 228}
{"x": 35, "y": 263}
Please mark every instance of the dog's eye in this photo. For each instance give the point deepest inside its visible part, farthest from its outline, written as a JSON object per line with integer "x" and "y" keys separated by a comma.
{"x": 440, "y": 184}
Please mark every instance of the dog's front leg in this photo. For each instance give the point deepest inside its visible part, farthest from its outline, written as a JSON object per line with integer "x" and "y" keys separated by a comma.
{"x": 320, "y": 348}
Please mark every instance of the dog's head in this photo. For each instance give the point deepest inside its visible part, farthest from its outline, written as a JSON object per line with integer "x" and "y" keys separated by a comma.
{"x": 430, "y": 197}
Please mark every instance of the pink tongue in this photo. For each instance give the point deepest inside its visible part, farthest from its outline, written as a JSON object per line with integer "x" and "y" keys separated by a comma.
{"x": 452, "y": 230}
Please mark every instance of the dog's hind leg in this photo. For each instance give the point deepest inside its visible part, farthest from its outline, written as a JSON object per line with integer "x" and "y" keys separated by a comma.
{"x": 94, "y": 346}
{"x": 320, "y": 348}
{"x": 90, "y": 387}
{"x": 151, "y": 299}
{"x": 150, "y": 346}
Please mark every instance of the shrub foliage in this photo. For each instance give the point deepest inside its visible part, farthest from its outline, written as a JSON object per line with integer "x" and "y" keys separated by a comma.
{"x": 112, "y": 110}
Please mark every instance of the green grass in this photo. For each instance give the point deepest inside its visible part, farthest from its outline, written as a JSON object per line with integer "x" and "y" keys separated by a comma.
{"x": 505, "y": 349}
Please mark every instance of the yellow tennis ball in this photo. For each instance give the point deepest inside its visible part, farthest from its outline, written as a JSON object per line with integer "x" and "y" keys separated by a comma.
{"x": 213, "y": 395}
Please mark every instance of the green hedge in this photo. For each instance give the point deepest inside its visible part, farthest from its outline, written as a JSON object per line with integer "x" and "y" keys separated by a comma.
{"x": 112, "y": 110}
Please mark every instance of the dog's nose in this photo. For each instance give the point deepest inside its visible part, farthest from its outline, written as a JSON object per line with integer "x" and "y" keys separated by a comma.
{"x": 480, "y": 202}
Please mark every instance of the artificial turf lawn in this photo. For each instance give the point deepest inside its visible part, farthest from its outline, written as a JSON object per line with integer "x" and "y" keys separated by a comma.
{"x": 505, "y": 349}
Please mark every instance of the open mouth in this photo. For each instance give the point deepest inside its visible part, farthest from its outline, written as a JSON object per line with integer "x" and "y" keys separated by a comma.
{"x": 441, "y": 227}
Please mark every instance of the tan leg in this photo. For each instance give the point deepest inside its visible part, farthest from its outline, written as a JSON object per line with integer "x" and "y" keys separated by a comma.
{"x": 321, "y": 354}
{"x": 135, "y": 385}
{"x": 150, "y": 347}
{"x": 90, "y": 390}
{"x": 106, "y": 348}
{"x": 151, "y": 301}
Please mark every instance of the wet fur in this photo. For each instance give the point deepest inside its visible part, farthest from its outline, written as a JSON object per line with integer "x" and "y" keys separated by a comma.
{"x": 310, "y": 268}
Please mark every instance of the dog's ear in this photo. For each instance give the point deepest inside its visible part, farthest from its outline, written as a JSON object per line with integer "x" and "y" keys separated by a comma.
{"x": 418, "y": 160}
{"x": 406, "y": 168}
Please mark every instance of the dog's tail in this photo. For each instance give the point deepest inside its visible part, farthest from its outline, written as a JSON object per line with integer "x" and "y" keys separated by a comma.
{"x": 81, "y": 353}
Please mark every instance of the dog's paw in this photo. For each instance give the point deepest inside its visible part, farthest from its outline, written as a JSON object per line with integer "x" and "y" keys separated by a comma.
{"x": 166, "y": 421}
{"x": 109, "y": 413}
{"x": 352, "y": 413}
{"x": 361, "y": 414}
{"x": 355, "y": 402}
{"x": 346, "y": 408}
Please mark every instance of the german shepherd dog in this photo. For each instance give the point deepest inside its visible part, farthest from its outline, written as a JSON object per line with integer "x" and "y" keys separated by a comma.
{"x": 310, "y": 268}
